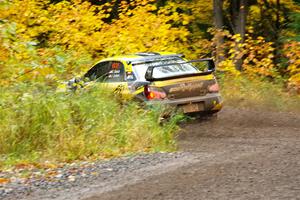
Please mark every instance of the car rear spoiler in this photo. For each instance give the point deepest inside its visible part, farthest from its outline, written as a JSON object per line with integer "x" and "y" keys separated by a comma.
{"x": 211, "y": 69}
{"x": 150, "y": 59}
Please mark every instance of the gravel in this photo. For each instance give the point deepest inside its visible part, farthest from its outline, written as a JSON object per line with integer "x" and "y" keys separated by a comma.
{"x": 76, "y": 175}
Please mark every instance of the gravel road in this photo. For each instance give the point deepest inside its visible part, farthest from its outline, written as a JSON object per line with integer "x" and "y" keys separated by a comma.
{"x": 243, "y": 154}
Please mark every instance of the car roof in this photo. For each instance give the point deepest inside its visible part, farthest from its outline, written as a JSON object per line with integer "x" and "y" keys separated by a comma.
{"x": 142, "y": 57}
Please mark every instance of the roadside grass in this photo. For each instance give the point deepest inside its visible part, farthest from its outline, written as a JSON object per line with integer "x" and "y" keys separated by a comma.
{"x": 38, "y": 124}
{"x": 254, "y": 93}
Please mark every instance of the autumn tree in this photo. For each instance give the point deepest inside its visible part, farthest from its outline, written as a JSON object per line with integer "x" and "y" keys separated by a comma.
{"x": 60, "y": 38}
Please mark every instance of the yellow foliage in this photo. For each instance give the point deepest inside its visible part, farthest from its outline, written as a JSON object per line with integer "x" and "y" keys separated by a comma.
{"x": 48, "y": 39}
{"x": 292, "y": 52}
{"x": 259, "y": 57}
{"x": 256, "y": 53}
{"x": 131, "y": 34}
{"x": 229, "y": 67}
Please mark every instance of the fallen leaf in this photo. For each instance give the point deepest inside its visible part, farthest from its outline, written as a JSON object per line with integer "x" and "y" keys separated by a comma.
{"x": 4, "y": 180}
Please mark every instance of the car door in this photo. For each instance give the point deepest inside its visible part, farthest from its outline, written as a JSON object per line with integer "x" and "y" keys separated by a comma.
{"x": 112, "y": 74}
{"x": 115, "y": 78}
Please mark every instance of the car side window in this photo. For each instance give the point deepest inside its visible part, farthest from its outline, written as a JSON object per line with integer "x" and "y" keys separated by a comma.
{"x": 108, "y": 71}
{"x": 130, "y": 77}
{"x": 99, "y": 71}
{"x": 116, "y": 72}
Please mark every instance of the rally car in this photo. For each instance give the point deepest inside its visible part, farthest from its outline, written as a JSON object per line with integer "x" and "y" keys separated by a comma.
{"x": 161, "y": 78}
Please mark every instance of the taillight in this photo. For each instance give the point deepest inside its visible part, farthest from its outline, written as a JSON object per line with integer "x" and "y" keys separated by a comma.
{"x": 214, "y": 88}
{"x": 154, "y": 93}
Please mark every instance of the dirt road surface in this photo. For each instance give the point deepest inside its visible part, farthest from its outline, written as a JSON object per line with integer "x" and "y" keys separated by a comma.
{"x": 242, "y": 155}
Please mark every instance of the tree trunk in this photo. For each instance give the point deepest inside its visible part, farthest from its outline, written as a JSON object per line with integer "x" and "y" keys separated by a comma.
{"x": 278, "y": 15}
{"x": 243, "y": 12}
{"x": 239, "y": 12}
{"x": 219, "y": 24}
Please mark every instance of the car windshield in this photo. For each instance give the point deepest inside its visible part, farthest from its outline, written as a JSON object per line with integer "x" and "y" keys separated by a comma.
{"x": 165, "y": 68}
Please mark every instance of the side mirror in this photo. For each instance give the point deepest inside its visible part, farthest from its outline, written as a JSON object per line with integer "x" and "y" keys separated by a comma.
{"x": 72, "y": 84}
{"x": 74, "y": 80}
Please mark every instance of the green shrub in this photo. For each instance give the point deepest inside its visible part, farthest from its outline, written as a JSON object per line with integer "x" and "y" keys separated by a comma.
{"x": 37, "y": 124}
{"x": 255, "y": 93}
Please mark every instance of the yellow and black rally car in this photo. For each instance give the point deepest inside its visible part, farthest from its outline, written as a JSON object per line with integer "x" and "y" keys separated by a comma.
{"x": 161, "y": 78}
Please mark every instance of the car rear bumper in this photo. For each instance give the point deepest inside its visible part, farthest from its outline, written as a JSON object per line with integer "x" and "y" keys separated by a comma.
{"x": 211, "y": 102}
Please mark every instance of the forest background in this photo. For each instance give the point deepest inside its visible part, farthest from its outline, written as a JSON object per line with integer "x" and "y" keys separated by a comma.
{"x": 256, "y": 44}
{"x": 54, "y": 40}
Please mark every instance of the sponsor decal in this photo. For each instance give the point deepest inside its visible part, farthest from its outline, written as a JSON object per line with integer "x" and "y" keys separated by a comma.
{"x": 186, "y": 87}
{"x": 115, "y": 65}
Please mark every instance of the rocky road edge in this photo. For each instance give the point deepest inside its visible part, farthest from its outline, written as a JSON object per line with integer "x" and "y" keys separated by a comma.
{"x": 58, "y": 182}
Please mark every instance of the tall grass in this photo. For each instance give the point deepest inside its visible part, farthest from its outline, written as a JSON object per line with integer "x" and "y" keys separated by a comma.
{"x": 37, "y": 123}
{"x": 255, "y": 93}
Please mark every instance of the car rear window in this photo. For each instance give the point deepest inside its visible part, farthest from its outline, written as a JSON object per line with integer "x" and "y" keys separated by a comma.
{"x": 174, "y": 67}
